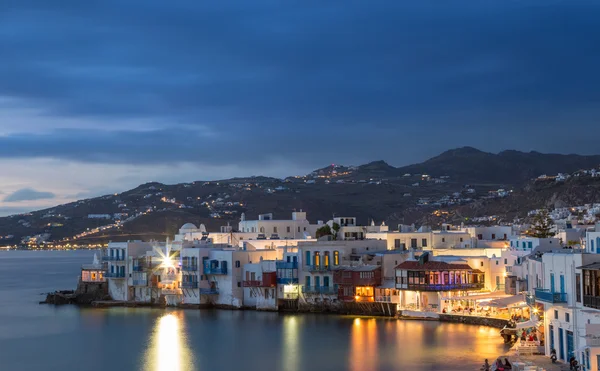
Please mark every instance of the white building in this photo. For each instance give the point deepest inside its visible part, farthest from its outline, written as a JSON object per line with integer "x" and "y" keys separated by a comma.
{"x": 119, "y": 256}
{"x": 296, "y": 228}
{"x": 260, "y": 285}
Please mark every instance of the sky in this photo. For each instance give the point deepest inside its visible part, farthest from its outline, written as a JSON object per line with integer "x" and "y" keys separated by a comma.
{"x": 98, "y": 97}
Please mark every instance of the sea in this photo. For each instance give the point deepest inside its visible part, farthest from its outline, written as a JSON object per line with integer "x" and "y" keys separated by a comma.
{"x": 57, "y": 338}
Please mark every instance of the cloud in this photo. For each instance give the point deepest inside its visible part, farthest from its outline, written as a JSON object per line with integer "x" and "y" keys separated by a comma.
{"x": 28, "y": 194}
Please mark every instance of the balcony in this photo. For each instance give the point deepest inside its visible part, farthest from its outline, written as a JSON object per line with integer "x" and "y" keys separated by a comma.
{"x": 318, "y": 268}
{"x": 252, "y": 283}
{"x": 289, "y": 296}
{"x": 550, "y": 297}
{"x": 107, "y": 258}
{"x": 287, "y": 281}
{"x": 114, "y": 275}
{"x": 171, "y": 291}
{"x": 139, "y": 268}
{"x": 591, "y": 301}
{"x": 286, "y": 265}
{"x": 189, "y": 285}
{"x": 209, "y": 292}
{"x": 140, "y": 283}
{"x": 215, "y": 270}
{"x": 189, "y": 268}
{"x": 442, "y": 287}
{"x": 324, "y": 290}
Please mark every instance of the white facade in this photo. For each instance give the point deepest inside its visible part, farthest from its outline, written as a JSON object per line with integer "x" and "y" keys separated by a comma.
{"x": 423, "y": 240}
{"x": 119, "y": 256}
{"x": 493, "y": 233}
{"x": 592, "y": 242}
{"x": 255, "y": 294}
{"x": 296, "y": 228}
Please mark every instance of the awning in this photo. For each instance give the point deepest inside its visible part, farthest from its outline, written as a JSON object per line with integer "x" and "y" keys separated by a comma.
{"x": 528, "y": 324}
{"x": 507, "y": 301}
{"x": 486, "y": 296}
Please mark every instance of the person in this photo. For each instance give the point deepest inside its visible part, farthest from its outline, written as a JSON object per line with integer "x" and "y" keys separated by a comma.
{"x": 507, "y": 365}
{"x": 573, "y": 364}
{"x": 499, "y": 365}
{"x": 486, "y": 366}
{"x": 553, "y": 355}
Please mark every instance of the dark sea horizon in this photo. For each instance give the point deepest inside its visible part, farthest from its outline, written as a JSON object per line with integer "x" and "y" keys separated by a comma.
{"x": 53, "y": 338}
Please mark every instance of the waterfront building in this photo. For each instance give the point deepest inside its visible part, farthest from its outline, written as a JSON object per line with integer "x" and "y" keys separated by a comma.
{"x": 316, "y": 260}
{"x": 588, "y": 317}
{"x": 260, "y": 285}
{"x": 489, "y": 233}
{"x": 288, "y": 288}
{"x": 350, "y": 230}
{"x": 93, "y": 273}
{"x": 423, "y": 239}
{"x": 423, "y": 281}
{"x": 267, "y": 227}
{"x": 357, "y": 284}
{"x": 195, "y": 286}
{"x": 119, "y": 257}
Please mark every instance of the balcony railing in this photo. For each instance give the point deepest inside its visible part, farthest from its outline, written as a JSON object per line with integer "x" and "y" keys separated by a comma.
{"x": 550, "y": 297}
{"x": 442, "y": 287}
{"x": 215, "y": 270}
{"x": 189, "y": 285}
{"x": 325, "y": 290}
{"x": 140, "y": 283}
{"x": 289, "y": 296}
{"x": 287, "y": 281}
{"x": 209, "y": 292}
{"x": 139, "y": 268}
{"x": 591, "y": 301}
{"x": 286, "y": 265}
{"x": 318, "y": 268}
{"x": 189, "y": 268}
{"x": 107, "y": 258}
{"x": 114, "y": 275}
{"x": 252, "y": 283}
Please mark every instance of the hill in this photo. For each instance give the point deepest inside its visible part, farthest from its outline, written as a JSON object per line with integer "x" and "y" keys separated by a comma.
{"x": 463, "y": 183}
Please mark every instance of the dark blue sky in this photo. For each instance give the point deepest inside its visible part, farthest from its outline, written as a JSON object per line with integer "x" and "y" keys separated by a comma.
{"x": 123, "y": 92}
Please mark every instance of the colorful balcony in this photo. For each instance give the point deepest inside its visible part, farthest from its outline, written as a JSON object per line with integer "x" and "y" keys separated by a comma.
{"x": 550, "y": 297}
{"x": 318, "y": 268}
{"x": 114, "y": 275}
{"x": 323, "y": 290}
{"x": 591, "y": 301}
{"x": 189, "y": 285}
{"x": 287, "y": 281}
{"x": 189, "y": 268}
{"x": 286, "y": 265}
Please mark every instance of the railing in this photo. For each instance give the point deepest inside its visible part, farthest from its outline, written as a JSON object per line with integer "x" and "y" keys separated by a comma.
{"x": 189, "y": 285}
{"x": 286, "y": 265}
{"x": 252, "y": 283}
{"x": 215, "y": 270}
{"x": 591, "y": 301}
{"x": 442, "y": 287}
{"x": 139, "y": 268}
{"x": 140, "y": 283}
{"x": 107, "y": 258}
{"x": 325, "y": 290}
{"x": 209, "y": 292}
{"x": 114, "y": 275}
{"x": 286, "y": 281}
{"x": 189, "y": 268}
{"x": 550, "y": 297}
{"x": 289, "y": 296}
{"x": 318, "y": 268}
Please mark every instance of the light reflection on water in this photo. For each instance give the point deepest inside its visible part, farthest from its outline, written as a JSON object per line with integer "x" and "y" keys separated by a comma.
{"x": 169, "y": 349}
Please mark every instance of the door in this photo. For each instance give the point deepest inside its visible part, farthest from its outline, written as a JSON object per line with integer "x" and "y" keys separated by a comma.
{"x": 570, "y": 348}
{"x": 317, "y": 281}
{"x": 561, "y": 345}
{"x": 551, "y": 335}
{"x": 552, "y": 282}
{"x": 562, "y": 283}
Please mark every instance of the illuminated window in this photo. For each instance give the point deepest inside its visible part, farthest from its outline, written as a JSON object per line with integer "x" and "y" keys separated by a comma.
{"x": 336, "y": 258}
{"x": 326, "y": 259}
{"x": 317, "y": 258}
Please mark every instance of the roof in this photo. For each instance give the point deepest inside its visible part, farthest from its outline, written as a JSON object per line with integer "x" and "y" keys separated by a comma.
{"x": 188, "y": 226}
{"x": 590, "y": 266}
{"x": 431, "y": 265}
{"x": 362, "y": 268}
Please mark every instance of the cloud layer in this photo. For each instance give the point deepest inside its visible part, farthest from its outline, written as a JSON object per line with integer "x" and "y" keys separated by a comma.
{"x": 28, "y": 194}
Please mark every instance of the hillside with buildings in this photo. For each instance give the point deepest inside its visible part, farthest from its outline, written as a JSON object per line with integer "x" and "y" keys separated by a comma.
{"x": 433, "y": 192}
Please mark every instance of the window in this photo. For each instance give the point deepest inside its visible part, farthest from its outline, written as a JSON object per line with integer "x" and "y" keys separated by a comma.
{"x": 424, "y": 242}
{"x": 239, "y": 284}
{"x": 443, "y": 239}
{"x": 274, "y": 229}
{"x": 307, "y": 281}
{"x": 480, "y": 237}
{"x": 413, "y": 243}
{"x": 592, "y": 245}
{"x": 493, "y": 236}
{"x": 317, "y": 258}
{"x": 461, "y": 239}
{"x": 336, "y": 258}
{"x": 298, "y": 229}
{"x": 307, "y": 260}
{"x": 326, "y": 259}
{"x": 289, "y": 229}
{"x": 505, "y": 261}
{"x": 496, "y": 262}
{"x": 578, "y": 287}
{"x": 237, "y": 263}
{"x": 567, "y": 317}
{"x": 304, "y": 229}
{"x": 397, "y": 243}
{"x": 262, "y": 229}
{"x": 555, "y": 314}
{"x": 482, "y": 264}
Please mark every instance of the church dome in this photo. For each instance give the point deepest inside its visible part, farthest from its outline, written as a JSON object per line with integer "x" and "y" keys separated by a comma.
{"x": 187, "y": 227}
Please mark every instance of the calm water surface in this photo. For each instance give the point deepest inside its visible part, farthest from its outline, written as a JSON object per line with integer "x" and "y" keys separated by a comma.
{"x": 41, "y": 337}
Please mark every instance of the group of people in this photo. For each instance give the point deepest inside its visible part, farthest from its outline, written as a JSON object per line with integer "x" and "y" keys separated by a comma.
{"x": 497, "y": 366}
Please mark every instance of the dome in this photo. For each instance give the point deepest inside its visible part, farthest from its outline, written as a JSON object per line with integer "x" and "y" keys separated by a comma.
{"x": 187, "y": 227}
